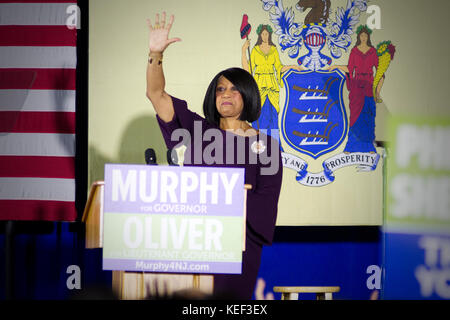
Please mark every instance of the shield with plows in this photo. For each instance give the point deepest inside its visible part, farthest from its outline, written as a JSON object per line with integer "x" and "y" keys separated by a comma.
{"x": 314, "y": 120}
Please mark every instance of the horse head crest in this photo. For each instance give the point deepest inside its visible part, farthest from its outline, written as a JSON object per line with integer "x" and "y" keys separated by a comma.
{"x": 319, "y": 13}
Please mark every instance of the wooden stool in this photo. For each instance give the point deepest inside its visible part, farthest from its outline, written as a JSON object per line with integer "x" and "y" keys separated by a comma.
{"x": 291, "y": 293}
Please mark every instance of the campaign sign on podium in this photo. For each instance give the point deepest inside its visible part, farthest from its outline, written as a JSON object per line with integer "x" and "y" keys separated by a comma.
{"x": 173, "y": 219}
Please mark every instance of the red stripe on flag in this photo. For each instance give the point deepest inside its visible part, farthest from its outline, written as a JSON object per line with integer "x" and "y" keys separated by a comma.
{"x": 37, "y": 210}
{"x": 37, "y": 122}
{"x": 37, "y": 36}
{"x": 19, "y": 78}
{"x": 37, "y": 167}
{"x": 45, "y": 79}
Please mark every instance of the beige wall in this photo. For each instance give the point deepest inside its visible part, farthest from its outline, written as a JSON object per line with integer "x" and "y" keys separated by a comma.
{"x": 122, "y": 122}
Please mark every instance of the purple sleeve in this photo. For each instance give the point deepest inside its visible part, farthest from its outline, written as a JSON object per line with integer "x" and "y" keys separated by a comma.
{"x": 183, "y": 118}
{"x": 262, "y": 203}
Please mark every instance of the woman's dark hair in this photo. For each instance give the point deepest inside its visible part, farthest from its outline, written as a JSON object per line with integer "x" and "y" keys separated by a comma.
{"x": 247, "y": 87}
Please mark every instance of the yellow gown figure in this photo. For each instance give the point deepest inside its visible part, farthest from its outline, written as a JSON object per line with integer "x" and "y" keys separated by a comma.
{"x": 267, "y": 69}
{"x": 266, "y": 66}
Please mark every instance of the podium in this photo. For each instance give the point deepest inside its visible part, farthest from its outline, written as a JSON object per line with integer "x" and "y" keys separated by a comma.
{"x": 140, "y": 285}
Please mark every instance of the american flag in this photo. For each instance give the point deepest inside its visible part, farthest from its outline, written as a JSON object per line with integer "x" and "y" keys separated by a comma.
{"x": 38, "y": 60}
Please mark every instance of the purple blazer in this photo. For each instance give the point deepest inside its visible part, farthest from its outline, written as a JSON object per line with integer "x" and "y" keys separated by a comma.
{"x": 260, "y": 156}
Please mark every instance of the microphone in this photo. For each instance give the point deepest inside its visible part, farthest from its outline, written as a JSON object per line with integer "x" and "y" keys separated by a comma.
{"x": 172, "y": 157}
{"x": 150, "y": 156}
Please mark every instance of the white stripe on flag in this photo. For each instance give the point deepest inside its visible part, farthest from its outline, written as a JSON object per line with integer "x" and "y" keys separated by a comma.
{"x": 37, "y": 144}
{"x": 37, "y": 189}
{"x": 44, "y": 14}
{"x": 38, "y": 57}
{"x": 37, "y": 100}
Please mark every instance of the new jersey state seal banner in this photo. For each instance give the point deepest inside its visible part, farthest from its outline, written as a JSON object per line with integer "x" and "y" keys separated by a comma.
{"x": 314, "y": 121}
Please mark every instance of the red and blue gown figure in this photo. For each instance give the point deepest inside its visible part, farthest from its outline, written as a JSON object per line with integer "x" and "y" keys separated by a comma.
{"x": 361, "y": 134}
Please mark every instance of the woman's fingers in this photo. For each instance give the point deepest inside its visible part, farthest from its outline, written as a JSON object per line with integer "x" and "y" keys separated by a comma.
{"x": 163, "y": 20}
{"x": 161, "y": 23}
{"x": 169, "y": 25}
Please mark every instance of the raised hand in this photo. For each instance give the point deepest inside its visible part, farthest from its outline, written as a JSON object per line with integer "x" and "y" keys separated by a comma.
{"x": 159, "y": 34}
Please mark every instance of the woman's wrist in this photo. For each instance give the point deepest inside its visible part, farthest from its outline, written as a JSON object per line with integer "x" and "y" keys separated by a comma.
{"x": 155, "y": 54}
{"x": 155, "y": 57}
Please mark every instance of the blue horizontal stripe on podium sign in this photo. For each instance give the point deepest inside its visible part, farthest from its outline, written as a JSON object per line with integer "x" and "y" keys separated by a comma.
{"x": 185, "y": 266}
